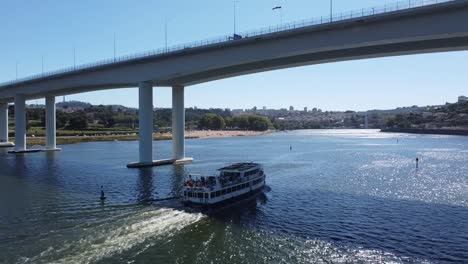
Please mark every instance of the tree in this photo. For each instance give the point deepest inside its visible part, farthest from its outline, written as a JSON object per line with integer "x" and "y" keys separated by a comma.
{"x": 78, "y": 122}
{"x": 250, "y": 122}
{"x": 211, "y": 121}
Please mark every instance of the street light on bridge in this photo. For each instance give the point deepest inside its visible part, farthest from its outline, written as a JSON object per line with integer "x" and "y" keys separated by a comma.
{"x": 280, "y": 8}
{"x": 235, "y": 2}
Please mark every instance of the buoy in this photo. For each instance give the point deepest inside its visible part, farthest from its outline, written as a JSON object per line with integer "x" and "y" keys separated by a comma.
{"x": 103, "y": 196}
{"x": 417, "y": 163}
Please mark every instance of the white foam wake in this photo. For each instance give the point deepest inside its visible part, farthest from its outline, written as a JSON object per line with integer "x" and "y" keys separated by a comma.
{"x": 110, "y": 238}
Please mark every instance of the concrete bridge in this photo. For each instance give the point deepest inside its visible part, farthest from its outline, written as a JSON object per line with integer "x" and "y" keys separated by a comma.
{"x": 415, "y": 28}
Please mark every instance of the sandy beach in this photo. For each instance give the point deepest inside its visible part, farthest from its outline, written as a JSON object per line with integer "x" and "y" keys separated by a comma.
{"x": 218, "y": 133}
{"x": 40, "y": 141}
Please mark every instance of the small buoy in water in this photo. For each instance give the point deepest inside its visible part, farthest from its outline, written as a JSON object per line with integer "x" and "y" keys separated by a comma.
{"x": 417, "y": 163}
{"x": 103, "y": 196}
{"x": 290, "y": 147}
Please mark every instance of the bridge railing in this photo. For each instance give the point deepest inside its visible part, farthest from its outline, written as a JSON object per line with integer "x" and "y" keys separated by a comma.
{"x": 342, "y": 16}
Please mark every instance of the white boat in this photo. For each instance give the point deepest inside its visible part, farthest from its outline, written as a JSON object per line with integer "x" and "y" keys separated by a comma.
{"x": 233, "y": 182}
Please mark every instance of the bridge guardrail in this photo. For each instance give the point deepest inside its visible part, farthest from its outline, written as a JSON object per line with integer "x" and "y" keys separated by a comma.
{"x": 364, "y": 12}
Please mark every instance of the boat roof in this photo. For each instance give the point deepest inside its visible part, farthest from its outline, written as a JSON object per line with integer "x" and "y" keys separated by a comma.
{"x": 241, "y": 166}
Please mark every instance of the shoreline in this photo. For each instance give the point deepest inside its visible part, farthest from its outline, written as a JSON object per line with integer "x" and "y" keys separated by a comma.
{"x": 422, "y": 131}
{"x": 191, "y": 134}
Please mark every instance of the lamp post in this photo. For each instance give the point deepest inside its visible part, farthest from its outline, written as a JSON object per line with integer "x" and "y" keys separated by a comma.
{"x": 165, "y": 32}
{"x": 331, "y": 10}
{"x": 74, "y": 58}
{"x": 114, "y": 46}
{"x": 235, "y": 2}
{"x": 280, "y": 8}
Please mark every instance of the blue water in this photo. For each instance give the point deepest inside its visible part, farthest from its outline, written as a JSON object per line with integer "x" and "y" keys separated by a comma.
{"x": 338, "y": 196}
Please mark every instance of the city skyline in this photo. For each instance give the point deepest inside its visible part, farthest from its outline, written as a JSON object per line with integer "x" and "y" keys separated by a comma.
{"x": 37, "y": 41}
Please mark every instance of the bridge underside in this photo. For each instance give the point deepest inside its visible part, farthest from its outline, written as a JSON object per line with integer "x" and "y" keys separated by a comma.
{"x": 358, "y": 53}
{"x": 377, "y": 51}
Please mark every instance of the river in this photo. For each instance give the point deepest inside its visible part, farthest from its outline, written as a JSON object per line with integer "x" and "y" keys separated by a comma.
{"x": 338, "y": 196}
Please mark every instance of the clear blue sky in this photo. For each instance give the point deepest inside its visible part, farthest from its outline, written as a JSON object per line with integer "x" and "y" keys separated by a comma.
{"x": 32, "y": 29}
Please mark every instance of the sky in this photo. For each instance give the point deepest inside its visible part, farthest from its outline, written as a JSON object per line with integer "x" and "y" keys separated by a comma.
{"x": 51, "y": 31}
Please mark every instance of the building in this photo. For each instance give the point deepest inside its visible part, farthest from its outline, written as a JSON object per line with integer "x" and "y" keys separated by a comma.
{"x": 427, "y": 114}
{"x": 462, "y": 99}
{"x": 305, "y": 109}
{"x": 291, "y": 108}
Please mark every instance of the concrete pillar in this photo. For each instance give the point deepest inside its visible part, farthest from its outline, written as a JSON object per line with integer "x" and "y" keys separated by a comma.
{"x": 145, "y": 115}
{"x": 20, "y": 122}
{"x": 50, "y": 123}
{"x": 178, "y": 123}
{"x": 3, "y": 122}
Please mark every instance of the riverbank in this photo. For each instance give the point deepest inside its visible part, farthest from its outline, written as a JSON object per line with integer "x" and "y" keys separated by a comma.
{"x": 40, "y": 141}
{"x": 451, "y": 132}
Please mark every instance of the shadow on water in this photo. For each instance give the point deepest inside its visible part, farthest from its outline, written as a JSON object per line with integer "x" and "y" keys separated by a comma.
{"x": 177, "y": 179}
{"x": 239, "y": 212}
{"x": 145, "y": 185}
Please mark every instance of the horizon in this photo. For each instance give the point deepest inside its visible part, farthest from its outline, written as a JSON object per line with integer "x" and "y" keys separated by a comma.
{"x": 300, "y": 109}
{"x": 382, "y": 83}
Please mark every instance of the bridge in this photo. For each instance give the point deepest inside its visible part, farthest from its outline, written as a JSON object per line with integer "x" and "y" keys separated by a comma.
{"x": 409, "y": 27}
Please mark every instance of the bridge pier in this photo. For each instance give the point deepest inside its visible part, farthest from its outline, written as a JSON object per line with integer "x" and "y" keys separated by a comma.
{"x": 178, "y": 125}
{"x": 145, "y": 127}
{"x": 20, "y": 125}
{"x": 51, "y": 127}
{"x": 4, "y": 126}
{"x": 145, "y": 116}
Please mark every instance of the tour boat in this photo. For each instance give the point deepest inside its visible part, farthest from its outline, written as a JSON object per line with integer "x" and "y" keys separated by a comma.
{"x": 232, "y": 182}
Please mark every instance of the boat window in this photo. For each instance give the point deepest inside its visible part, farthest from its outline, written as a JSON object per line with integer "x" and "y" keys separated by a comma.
{"x": 228, "y": 190}
{"x": 231, "y": 174}
{"x": 206, "y": 195}
{"x": 200, "y": 195}
{"x": 185, "y": 193}
{"x": 189, "y": 194}
{"x": 223, "y": 192}
{"x": 213, "y": 195}
{"x": 218, "y": 193}
{"x": 248, "y": 173}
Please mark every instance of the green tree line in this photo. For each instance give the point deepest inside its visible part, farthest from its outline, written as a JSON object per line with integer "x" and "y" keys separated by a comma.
{"x": 243, "y": 122}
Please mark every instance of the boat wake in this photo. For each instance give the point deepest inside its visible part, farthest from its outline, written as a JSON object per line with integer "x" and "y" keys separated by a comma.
{"x": 106, "y": 239}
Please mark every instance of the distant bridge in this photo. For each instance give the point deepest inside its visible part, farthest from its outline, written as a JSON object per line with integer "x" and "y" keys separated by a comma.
{"x": 410, "y": 27}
